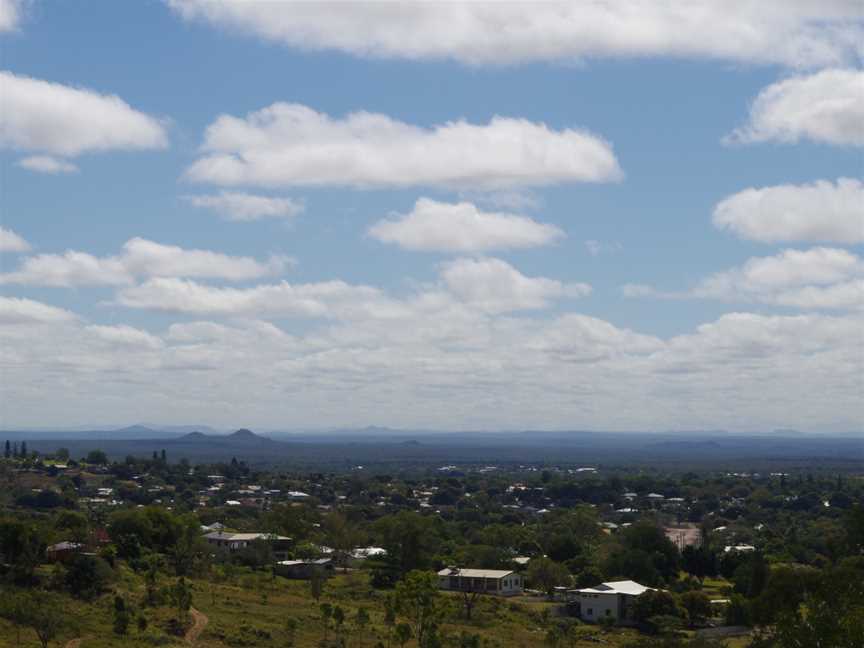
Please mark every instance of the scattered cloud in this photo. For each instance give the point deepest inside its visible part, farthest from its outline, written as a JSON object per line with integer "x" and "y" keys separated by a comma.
{"x": 641, "y": 290}
{"x": 491, "y": 371}
{"x": 239, "y": 206}
{"x": 317, "y": 300}
{"x": 818, "y": 278}
{"x": 12, "y": 242}
{"x": 11, "y": 12}
{"x": 18, "y": 310}
{"x": 140, "y": 258}
{"x": 796, "y": 34}
{"x": 125, "y": 336}
{"x": 484, "y": 285}
{"x": 462, "y": 227}
{"x": 512, "y": 200}
{"x": 286, "y": 145}
{"x": 497, "y": 287}
{"x": 825, "y": 107}
{"x": 596, "y": 248}
{"x": 821, "y": 211}
{"x": 46, "y": 164}
{"x": 60, "y": 120}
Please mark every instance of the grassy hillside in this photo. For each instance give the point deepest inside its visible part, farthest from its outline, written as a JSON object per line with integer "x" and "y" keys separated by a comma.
{"x": 254, "y": 609}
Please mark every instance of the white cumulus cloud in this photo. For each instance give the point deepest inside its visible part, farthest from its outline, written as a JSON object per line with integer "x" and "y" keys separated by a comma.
{"x": 60, "y": 120}
{"x": 10, "y": 14}
{"x": 125, "y": 336}
{"x": 46, "y": 164}
{"x": 19, "y": 310}
{"x": 466, "y": 286}
{"x": 318, "y": 300}
{"x": 442, "y": 369}
{"x": 826, "y": 107}
{"x": 293, "y": 145}
{"x": 12, "y": 242}
{"x": 495, "y": 286}
{"x": 818, "y": 278}
{"x": 462, "y": 227}
{"x": 139, "y": 258}
{"x": 240, "y": 206}
{"x": 821, "y": 211}
{"x": 791, "y": 33}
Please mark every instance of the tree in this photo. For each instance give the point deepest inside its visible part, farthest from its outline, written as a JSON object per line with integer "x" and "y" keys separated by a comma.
{"x": 646, "y": 555}
{"x": 854, "y": 525}
{"x": 545, "y": 574}
{"x": 338, "y": 618}
{"x": 72, "y": 524}
{"x": 738, "y": 611}
{"x": 417, "y": 598}
{"x": 342, "y": 535}
{"x": 697, "y": 604}
{"x": 654, "y": 605}
{"x": 13, "y": 608}
{"x": 750, "y": 577}
{"x": 561, "y": 634}
{"x": 834, "y": 612}
{"x": 291, "y": 626}
{"x": 361, "y": 620}
{"x": 403, "y": 633}
{"x": 317, "y": 580}
{"x": 43, "y": 613}
{"x": 409, "y": 539}
{"x": 87, "y": 576}
{"x": 785, "y": 590}
{"x": 326, "y": 615}
{"x": 390, "y": 615}
{"x": 699, "y": 561}
{"x": 181, "y": 597}
{"x": 97, "y": 457}
{"x": 152, "y": 565}
{"x": 62, "y": 454}
{"x": 121, "y": 616}
{"x": 188, "y": 546}
{"x": 21, "y": 548}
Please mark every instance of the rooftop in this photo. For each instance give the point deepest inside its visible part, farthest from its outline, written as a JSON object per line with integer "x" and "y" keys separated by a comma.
{"x": 616, "y": 587}
{"x": 475, "y": 573}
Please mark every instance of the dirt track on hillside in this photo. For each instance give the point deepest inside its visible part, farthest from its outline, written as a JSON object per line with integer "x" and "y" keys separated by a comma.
{"x": 200, "y": 622}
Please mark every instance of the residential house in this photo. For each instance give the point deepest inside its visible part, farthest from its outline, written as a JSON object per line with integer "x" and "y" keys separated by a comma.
{"x": 613, "y": 600}
{"x": 238, "y": 541}
{"x": 487, "y": 581}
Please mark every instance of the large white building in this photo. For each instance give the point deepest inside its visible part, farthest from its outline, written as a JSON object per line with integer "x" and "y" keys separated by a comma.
{"x": 612, "y": 600}
{"x": 485, "y": 581}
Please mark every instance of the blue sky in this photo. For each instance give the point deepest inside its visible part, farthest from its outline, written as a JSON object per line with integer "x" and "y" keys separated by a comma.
{"x": 638, "y": 287}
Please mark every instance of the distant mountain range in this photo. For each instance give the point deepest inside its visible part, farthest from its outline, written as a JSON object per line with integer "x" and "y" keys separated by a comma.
{"x": 344, "y": 449}
{"x": 242, "y": 437}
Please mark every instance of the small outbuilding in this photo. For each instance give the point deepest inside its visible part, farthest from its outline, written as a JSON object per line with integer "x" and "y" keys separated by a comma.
{"x": 63, "y": 551}
{"x": 302, "y": 569}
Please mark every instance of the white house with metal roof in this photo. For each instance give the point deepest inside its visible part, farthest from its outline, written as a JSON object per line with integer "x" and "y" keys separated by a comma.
{"x": 613, "y": 600}
{"x": 486, "y": 581}
{"x": 239, "y": 541}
